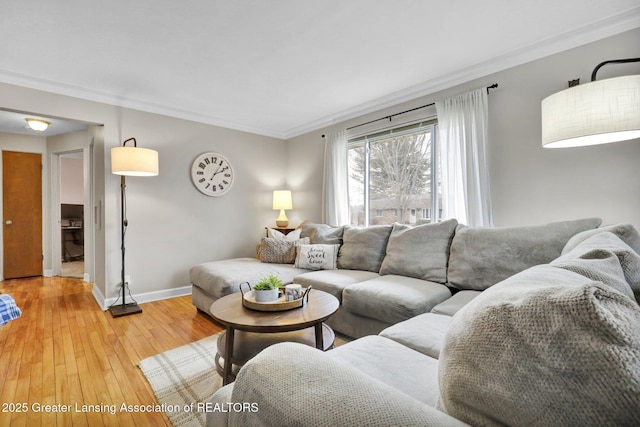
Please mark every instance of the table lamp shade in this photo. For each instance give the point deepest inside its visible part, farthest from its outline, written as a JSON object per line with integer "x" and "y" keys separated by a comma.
{"x": 134, "y": 161}
{"x": 282, "y": 199}
{"x": 598, "y": 112}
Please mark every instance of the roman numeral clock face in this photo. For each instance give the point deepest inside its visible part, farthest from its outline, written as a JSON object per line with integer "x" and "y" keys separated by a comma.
{"x": 212, "y": 174}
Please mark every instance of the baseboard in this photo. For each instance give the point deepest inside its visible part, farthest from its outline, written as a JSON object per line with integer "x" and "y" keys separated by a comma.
{"x": 149, "y": 296}
{"x": 48, "y": 273}
{"x": 99, "y": 297}
{"x": 86, "y": 277}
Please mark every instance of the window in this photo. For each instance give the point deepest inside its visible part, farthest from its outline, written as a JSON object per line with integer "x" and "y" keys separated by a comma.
{"x": 392, "y": 175}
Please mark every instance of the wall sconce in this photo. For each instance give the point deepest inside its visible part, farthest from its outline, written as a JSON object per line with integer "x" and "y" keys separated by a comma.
{"x": 131, "y": 161}
{"x": 38, "y": 124}
{"x": 598, "y": 112}
{"x": 282, "y": 201}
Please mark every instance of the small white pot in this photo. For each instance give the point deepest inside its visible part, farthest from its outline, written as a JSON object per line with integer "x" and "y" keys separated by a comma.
{"x": 268, "y": 295}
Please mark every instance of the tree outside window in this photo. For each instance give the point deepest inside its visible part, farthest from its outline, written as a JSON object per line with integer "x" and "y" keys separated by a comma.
{"x": 393, "y": 174}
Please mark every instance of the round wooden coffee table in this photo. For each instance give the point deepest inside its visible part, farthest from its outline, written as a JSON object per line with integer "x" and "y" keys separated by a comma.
{"x": 280, "y": 325}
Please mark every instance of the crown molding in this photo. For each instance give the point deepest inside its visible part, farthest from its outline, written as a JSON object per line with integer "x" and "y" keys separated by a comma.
{"x": 574, "y": 38}
{"x": 604, "y": 28}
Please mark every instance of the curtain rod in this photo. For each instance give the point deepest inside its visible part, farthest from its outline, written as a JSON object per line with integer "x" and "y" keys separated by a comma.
{"x": 493, "y": 86}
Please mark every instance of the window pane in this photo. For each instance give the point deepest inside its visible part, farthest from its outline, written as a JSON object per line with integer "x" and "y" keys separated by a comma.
{"x": 400, "y": 177}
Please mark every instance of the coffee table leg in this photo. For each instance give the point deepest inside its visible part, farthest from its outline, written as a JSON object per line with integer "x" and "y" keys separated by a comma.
{"x": 319, "y": 337}
{"x": 228, "y": 353}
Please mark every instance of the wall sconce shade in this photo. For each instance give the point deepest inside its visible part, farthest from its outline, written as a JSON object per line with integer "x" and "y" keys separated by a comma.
{"x": 134, "y": 161}
{"x": 38, "y": 124}
{"x": 598, "y": 112}
{"x": 282, "y": 201}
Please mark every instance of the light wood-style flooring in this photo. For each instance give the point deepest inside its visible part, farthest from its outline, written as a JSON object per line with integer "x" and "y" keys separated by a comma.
{"x": 65, "y": 350}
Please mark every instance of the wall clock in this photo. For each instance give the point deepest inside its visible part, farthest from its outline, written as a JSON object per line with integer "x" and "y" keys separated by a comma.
{"x": 212, "y": 174}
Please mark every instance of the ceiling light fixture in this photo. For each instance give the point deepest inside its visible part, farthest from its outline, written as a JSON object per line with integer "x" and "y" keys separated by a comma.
{"x": 38, "y": 124}
{"x": 598, "y": 112}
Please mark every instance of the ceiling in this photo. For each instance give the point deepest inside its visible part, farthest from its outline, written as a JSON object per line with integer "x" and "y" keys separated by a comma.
{"x": 14, "y": 122}
{"x": 283, "y": 67}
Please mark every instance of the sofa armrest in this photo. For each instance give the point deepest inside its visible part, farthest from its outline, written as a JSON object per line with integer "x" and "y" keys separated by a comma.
{"x": 293, "y": 384}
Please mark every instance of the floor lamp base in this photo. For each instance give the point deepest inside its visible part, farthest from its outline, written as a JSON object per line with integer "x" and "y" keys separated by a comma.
{"x": 125, "y": 309}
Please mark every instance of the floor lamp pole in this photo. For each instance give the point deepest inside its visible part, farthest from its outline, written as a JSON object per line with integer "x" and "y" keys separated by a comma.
{"x": 131, "y": 308}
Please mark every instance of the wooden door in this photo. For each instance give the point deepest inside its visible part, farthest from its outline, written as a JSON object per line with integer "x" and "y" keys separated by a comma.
{"x": 22, "y": 214}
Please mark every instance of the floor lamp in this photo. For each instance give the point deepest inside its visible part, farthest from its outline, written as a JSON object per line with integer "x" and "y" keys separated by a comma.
{"x": 598, "y": 112}
{"x": 129, "y": 161}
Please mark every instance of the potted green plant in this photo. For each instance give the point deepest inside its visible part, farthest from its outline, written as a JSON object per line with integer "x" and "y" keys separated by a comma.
{"x": 267, "y": 289}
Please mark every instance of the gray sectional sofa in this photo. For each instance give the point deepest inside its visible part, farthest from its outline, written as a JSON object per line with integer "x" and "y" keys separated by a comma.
{"x": 555, "y": 343}
{"x": 390, "y": 273}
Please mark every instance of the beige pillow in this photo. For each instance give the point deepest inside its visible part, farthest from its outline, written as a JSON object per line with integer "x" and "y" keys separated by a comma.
{"x": 545, "y": 347}
{"x": 317, "y": 257}
{"x": 279, "y": 251}
{"x": 275, "y": 234}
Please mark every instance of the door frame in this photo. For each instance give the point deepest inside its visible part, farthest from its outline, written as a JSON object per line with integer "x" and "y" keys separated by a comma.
{"x": 89, "y": 216}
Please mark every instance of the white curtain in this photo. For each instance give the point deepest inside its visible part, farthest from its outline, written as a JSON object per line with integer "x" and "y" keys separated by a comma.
{"x": 336, "y": 181}
{"x": 462, "y": 123}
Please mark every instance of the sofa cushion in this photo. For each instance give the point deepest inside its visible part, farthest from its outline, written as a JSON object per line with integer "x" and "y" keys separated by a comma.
{"x": 421, "y": 251}
{"x": 454, "y": 304}
{"x": 626, "y": 232}
{"x": 279, "y": 251}
{"x": 363, "y": 248}
{"x": 317, "y": 257}
{"x": 605, "y": 258}
{"x": 392, "y": 298}
{"x": 555, "y": 347}
{"x": 322, "y": 233}
{"x": 424, "y": 333}
{"x": 221, "y": 278}
{"x": 481, "y": 257}
{"x": 319, "y": 391}
{"x": 409, "y": 371}
{"x": 333, "y": 281}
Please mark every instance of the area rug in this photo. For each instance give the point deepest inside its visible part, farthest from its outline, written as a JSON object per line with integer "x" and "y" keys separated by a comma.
{"x": 182, "y": 377}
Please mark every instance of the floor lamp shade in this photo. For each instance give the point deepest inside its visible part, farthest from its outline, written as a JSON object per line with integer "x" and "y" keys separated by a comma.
{"x": 598, "y": 112}
{"x": 134, "y": 161}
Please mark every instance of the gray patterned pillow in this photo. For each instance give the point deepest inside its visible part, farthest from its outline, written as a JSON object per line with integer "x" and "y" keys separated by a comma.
{"x": 557, "y": 348}
{"x": 279, "y": 251}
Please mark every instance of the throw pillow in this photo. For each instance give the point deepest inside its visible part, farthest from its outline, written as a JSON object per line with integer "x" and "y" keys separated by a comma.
{"x": 481, "y": 257}
{"x": 279, "y": 251}
{"x": 421, "y": 251}
{"x": 322, "y": 233}
{"x": 275, "y": 234}
{"x": 317, "y": 257}
{"x": 363, "y": 248}
{"x": 545, "y": 347}
{"x": 606, "y": 258}
{"x": 626, "y": 232}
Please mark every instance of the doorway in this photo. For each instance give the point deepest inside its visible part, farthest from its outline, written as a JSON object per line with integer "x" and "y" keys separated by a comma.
{"x": 72, "y": 205}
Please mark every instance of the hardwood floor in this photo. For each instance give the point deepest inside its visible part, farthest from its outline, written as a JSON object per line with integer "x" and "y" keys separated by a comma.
{"x": 65, "y": 350}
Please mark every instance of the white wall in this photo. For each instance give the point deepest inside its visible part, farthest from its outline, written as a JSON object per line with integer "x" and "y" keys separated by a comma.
{"x": 530, "y": 185}
{"x": 71, "y": 185}
{"x": 171, "y": 225}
